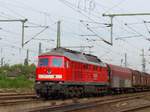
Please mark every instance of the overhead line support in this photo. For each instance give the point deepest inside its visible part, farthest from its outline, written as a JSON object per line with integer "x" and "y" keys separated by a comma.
{"x": 113, "y": 15}
{"x": 58, "y": 34}
{"x": 23, "y": 22}
{"x": 18, "y": 20}
{"x": 111, "y": 34}
{"x": 131, "y": 14}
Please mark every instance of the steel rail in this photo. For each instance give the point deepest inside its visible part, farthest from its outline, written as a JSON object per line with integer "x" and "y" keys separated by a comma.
{"x": 135, "y": 108}
{"x": 80, "y": 106}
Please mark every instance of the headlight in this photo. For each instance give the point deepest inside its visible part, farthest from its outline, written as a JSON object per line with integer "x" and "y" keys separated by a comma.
{"x": 38, "y": 82}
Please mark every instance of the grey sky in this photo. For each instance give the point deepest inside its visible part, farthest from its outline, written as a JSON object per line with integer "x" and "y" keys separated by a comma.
{"x": 48, "y": 12}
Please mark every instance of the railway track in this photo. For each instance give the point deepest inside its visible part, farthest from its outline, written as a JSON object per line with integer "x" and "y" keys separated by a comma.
{"x": 136, "y": 108}
{"x": 16, "y": 98}
{"x": 68, "y": 104}
{"x": 77, "y": 104}
{"x": 9, "y": 96}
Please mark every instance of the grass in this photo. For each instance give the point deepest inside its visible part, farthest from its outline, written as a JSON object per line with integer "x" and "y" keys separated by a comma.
{"x": 19, "y": 82}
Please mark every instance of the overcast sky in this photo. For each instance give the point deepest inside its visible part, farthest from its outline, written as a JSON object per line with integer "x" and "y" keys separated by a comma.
{"x": 78, "y": 18}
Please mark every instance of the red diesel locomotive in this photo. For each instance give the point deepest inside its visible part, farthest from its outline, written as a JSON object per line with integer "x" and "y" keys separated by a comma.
{"x": 66, "y": 73}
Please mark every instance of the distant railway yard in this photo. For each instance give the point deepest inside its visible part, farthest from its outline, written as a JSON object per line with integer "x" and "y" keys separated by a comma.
{"x": 28, "y": 102}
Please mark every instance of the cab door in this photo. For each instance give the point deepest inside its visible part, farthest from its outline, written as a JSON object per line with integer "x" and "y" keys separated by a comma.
{"x": 67, "y": 70}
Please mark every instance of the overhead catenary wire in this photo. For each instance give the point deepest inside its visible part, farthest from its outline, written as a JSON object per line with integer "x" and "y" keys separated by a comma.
{"x": 127, "y": 31}
{"x": 27, "y": 7}
{"x": 108, "y": 50}
{"x": 39, "y": 12}
{"x": 124, "y": 37}
{"x": 20, "y": 15}
{"x": 21, "y": 5}
{"x": 146, "y": 27}
{"x": 136, "y": 31}
{"x": 35, "y": 35}
{"x": 16, "y": 13}
{"x": 88, "y": 28}
{"x": 14, "y": 46}
{"x": 6, "y": 16}
{"x": 75, "y": 9}
{"x": 116, "y": 5}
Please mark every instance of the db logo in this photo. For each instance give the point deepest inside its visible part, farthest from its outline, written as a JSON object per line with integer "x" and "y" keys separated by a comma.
{"x": 49, "y": 71}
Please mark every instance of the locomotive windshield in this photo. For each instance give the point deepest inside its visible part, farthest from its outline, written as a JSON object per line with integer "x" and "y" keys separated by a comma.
{"x": 57, "y": 62}
{"x": 43, "y": 62}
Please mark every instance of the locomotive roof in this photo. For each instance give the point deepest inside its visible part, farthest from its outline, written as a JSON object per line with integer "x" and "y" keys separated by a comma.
{"x": 76, "y": 56}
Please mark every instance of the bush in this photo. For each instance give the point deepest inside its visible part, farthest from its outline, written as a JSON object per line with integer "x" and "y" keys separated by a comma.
{"x": 17, "y": 82}
{"x": 17, "y": 76}
{"x": 18, "y": 70}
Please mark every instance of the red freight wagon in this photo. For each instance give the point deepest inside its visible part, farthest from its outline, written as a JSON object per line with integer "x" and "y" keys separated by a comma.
{"x": 136, "y": 78}
{"x": 143, "y": 79}
{"x": 120, "y": 77}
{"x": 148, "y": 79}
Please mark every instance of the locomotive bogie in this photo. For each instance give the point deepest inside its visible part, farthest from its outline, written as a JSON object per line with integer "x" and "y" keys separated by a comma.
{"x": 69, "y": 90}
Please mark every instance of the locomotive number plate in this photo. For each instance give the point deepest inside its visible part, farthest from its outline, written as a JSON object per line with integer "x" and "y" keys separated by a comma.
{"x": 50, "y": 76}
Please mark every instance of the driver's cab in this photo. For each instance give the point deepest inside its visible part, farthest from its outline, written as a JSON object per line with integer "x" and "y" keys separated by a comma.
{"x": 50, "y": 67}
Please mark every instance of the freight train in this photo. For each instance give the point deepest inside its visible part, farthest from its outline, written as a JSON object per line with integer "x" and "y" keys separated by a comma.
{"x": 67, "y": 73}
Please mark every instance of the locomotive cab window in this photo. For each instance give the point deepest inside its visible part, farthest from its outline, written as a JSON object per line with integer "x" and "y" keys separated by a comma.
{"x": 57, "y": 62}
{"x": 43, "y": 62}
